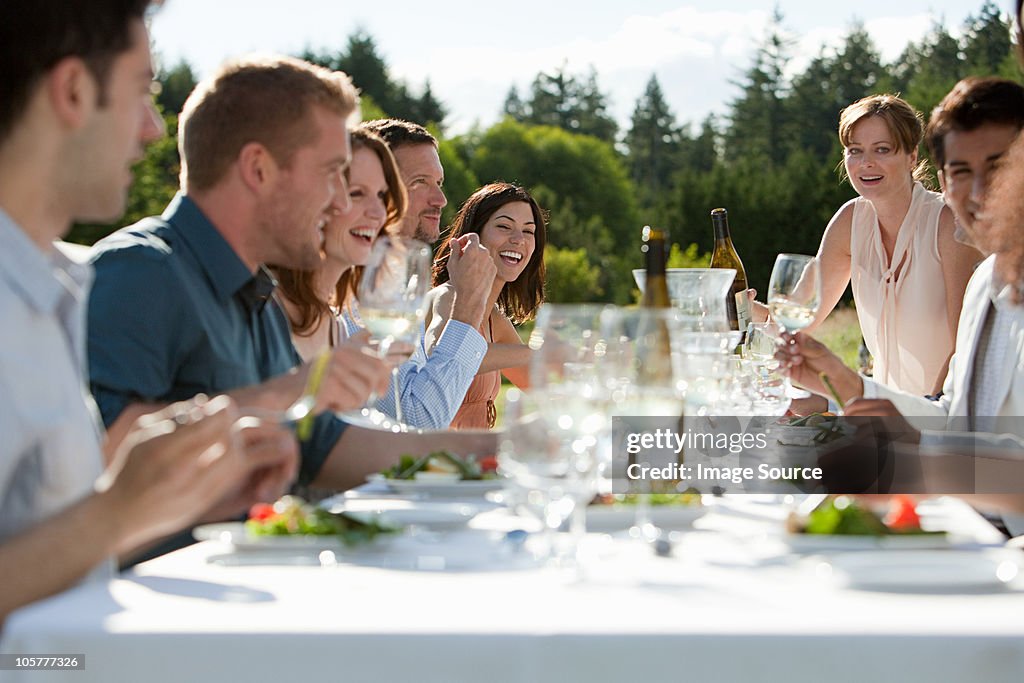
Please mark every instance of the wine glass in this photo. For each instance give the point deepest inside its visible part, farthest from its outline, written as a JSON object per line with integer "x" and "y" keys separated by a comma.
{"x": 391, "y": 296}
{"x": 551, "y": 463}
{"x": 568, "y": 383}
{"x": 646, "y": 383}
{"x": 760, "y": 344}
{"x": 794, "y": 294}
{"x": 794, "y": 291}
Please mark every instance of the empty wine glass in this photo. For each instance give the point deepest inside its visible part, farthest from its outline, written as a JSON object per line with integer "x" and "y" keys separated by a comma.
{"x": 391, "y": 296}
{"x": 550, "y": 462}
{"x": 569, "y": 384}
{"x": 759, "y": 345}
{"x": 567, "y": 349}
{"x": 646, "y": 382}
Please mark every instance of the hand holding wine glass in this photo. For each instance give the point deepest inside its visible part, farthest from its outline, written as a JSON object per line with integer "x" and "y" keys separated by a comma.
{"x": 391, "y": 297}
{"x": 794, "y": 294}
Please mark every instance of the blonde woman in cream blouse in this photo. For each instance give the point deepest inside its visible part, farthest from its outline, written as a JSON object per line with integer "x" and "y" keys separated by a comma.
{"x": 894, "y": 244}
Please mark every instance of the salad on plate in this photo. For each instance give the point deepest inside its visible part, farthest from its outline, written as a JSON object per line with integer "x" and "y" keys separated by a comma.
{"x": 842, "y": 523}
{"x": 292, "y": 524}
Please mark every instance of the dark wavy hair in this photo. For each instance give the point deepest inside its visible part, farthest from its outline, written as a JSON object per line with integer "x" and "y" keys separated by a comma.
{"x": 298, "y": 285}
{"x": 520, "y": 299}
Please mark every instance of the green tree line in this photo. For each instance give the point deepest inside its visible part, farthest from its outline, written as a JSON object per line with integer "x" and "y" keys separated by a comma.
{"x": 771, "y": 158}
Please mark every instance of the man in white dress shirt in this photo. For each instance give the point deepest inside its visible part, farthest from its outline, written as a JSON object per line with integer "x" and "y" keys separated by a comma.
{"x": 75, "y": 113}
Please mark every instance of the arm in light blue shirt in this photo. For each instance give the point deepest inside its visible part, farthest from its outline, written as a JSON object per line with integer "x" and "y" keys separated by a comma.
{"x": 432, "y": 388}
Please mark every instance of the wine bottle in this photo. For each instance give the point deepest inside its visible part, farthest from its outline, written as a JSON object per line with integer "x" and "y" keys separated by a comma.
{"x": 655, "y": 257}
{"x": 654, "y": 344}
{"x": 654, "y": 348}
{"x": 725, "y": 256}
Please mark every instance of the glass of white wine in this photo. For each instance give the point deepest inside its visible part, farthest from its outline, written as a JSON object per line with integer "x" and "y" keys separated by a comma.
{"x": 794, "y": 291}
{"x": 391, "y": 296}
{"x": 794, "y": 295}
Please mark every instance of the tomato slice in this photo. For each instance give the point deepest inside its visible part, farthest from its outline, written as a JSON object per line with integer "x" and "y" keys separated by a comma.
{"x": 261, "y": 512}
{"x": 488, "y": 464}
{"x": 902, "y": 514}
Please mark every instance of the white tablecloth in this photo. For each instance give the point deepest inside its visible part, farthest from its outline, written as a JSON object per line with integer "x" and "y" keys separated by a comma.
{"x": 729, "y": 606}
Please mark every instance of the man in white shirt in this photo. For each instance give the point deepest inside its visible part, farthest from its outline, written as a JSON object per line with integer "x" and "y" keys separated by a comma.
{"x": 75, "y": 113}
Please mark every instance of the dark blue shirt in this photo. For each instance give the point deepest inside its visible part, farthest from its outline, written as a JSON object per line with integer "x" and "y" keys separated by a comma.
{"x": 174, "y": 312}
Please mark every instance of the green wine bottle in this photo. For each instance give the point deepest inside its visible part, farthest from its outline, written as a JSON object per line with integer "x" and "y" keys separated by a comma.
{"x": 655, "y": 257}
{"x": 725, "y": 256}
{"x": 654, "y": 346}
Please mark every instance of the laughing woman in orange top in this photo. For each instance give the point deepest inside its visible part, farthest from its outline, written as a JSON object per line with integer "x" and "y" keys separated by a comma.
{"x": 511, "y": 225}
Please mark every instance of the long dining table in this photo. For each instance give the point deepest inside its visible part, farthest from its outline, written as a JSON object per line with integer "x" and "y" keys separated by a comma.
{"x": 725, "y": 600}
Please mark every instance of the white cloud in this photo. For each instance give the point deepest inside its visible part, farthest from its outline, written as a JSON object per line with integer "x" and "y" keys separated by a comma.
{"x": 696, "y": 53}
{"x": 705, "y": 43}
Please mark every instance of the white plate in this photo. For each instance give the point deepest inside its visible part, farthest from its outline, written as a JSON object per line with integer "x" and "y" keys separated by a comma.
{"x": 926, "y": 570}
{"x": 608, "y": 518}
{"x": 236, "y": 535}
{"x": 834, "y": 543}
{"x": 795, "y": 436}
{"x": 442, "y": 489}
{"x": 439, "y": 515}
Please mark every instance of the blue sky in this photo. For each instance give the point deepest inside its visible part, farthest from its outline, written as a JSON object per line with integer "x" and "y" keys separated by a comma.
{"x": 473, "y": 51}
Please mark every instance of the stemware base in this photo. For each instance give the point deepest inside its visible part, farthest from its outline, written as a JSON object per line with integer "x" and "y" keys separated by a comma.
{"x": 371, "y": 418}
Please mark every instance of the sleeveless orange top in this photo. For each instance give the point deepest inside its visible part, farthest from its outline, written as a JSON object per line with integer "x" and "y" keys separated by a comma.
{"x": 477, "y": 410}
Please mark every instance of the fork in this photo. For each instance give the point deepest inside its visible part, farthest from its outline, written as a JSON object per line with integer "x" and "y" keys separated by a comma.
{"x": 301, "y": 411}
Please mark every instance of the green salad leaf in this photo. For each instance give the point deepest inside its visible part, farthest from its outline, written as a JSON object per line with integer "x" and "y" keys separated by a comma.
{"x": 294, "y": 516}
{"x": 408, "y": 466}
{"x": 844, "y": 517}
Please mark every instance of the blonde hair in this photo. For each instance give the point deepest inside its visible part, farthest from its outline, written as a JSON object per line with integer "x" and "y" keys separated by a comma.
{"x": 905, "y": 124}
{"x": 263, "y": 99}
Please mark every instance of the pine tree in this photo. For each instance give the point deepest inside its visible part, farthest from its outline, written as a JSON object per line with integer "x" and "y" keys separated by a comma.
{"x": 591, "y": 110}
{"x": 514, "y": 106}
{"x": 941, "y": 65}
{"x": 706, "y": 146}
{"x": 175, "y": 86}
{"x": 653, "y": 141}
{"x": 429, "y": 109}
{"x": 830, "y": 83}
{"x": 986, "y": 40}
{"x": 369, "y": 71}
{"x": 756, "y": 128}
{"x": 560, "y": 99}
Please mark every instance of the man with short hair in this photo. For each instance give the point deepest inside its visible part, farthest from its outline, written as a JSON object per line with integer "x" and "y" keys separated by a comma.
{"x": 183, "y": 303}
{"x": 968, "y": 134}
{"x": 416, "y": 154}
{"x": 75, "y": 113}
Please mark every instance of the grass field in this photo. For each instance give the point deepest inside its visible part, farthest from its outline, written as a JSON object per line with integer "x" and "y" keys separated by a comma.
{"x": 841, "y": 333}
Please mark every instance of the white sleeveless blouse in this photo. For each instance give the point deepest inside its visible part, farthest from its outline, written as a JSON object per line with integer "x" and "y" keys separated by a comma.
{"x": 902, "y": 305}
